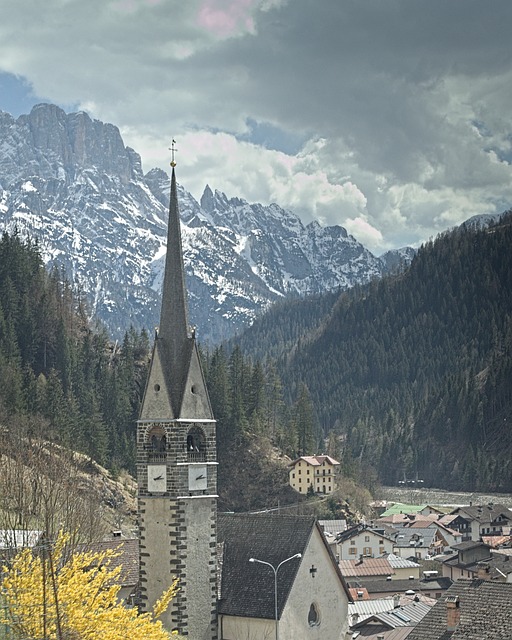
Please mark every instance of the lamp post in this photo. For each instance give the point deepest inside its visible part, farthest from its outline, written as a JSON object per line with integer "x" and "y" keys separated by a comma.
{"x": 275, "y": 570}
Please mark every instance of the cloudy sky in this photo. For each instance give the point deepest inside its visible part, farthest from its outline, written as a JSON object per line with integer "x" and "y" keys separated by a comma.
{"x": 392, "y": 118}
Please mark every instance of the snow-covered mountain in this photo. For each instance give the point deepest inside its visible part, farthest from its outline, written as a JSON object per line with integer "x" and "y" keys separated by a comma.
{"x": 71, "y": 182}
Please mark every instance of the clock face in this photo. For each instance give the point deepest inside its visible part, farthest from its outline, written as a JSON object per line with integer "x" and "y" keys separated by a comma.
{"x": 157, "y": 478}
{"x": 197, "y": 478}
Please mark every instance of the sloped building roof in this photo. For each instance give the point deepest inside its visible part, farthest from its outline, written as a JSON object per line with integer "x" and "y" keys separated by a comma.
{"x": 401, "y": 586}
{"x": 485, "y": 514}
{"x": 356, "y": 530}
{"x": 397, "y": 562}
{"x": 403, "y": 508}
{"x": 333, "y": 527}
{"x": 418, "y": 537}
{"x": 406, "y": 616}
{"x": 127, "y": 557}
{"x": 386, "y": 623}
{"x": 366, "y": 567}
{"x": 315, "y": 461}
{"x": 485, "y": 612}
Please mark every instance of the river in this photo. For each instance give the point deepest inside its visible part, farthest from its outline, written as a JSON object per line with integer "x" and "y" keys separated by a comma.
{"x": 440, "y": 497}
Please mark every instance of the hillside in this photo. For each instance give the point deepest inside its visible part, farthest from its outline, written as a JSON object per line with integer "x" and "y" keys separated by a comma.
{"x": 413, "y": 371}
{"x": 66, "y": 388}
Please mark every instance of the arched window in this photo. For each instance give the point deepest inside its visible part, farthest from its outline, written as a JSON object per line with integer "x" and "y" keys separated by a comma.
{"x": 196, "y": 444}
{"x": 156, "y": 443}
{"x": 313, "y": 615}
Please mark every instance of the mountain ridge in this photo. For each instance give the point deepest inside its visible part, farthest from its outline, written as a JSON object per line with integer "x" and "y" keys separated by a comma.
{"x": 70, "y": 182}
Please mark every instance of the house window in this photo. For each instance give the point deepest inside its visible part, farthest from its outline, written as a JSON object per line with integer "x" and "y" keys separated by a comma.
{"x": 352, "y": 551}
{"x": 353, "y": 542}
{"x": 313, "y": 616}
{"x": 367, "y": 551}
{"x": 367, "y": 538}
{"x": 382, "y": 551}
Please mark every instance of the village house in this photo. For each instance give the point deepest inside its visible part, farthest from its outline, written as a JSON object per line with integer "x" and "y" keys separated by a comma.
{"x": 475, "y": 559}
{"x": 362, "y": 540}
{"x": 448, "y": 535}
{"x": 473, "y": 522}
{"x": 313, "y": 473}
{"x": 419, "y": 543}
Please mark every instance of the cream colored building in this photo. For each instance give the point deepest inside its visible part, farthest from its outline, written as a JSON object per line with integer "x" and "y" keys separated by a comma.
{"x": 316, "y": 472}
{"x": 362, "y": 541}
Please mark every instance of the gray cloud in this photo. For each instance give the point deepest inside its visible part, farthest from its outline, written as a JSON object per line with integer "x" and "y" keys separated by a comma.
{"x": 404, "y": 106}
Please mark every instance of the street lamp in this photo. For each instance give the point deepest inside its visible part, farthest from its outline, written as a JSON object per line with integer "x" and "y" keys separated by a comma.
{"x": 275, "y": 570}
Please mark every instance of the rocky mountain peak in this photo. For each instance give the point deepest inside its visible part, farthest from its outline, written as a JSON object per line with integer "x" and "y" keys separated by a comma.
{"x": 71, "y": 182}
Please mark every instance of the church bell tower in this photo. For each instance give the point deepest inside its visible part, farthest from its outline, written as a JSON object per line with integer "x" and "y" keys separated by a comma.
{"x": 176, "y": 463}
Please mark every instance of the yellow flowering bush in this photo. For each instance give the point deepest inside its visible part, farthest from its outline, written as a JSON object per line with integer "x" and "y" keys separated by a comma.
{"x": 48, "y": 596}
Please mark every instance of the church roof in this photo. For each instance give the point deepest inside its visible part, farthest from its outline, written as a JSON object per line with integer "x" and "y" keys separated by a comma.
{"x": 247, "y": 587}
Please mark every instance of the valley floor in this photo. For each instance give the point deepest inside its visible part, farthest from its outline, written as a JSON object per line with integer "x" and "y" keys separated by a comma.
{"x": 441, "y": 497}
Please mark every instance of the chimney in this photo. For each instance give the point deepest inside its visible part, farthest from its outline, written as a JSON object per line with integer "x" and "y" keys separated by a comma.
{"x": 396, "y": 601}
{"x": 452, "y": 612}
{"x": 483, "y": 571}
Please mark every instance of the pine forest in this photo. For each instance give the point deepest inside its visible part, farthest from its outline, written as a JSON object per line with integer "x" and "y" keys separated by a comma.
{"x": 410, "y": 376}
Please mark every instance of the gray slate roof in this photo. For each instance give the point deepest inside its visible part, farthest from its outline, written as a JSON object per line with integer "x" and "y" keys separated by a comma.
{"x": 484, "y": 514}
{"x": 358, "y": 529}
{"x": 406, "y": 616}
{"x": 247, "y": 589}
{"x": 333, "y": 526}
{"x": 416, "y": 537}
{"x": 486, "y": 613}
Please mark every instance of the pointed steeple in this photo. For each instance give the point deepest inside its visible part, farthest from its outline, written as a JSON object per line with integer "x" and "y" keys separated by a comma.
{"x": 175, "y": 367}
{"x": 174, "y": 341}
{"x": 174, "y": 327}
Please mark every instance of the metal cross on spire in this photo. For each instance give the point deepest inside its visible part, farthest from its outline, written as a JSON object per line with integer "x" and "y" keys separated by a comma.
{"x": 173, "y": 149}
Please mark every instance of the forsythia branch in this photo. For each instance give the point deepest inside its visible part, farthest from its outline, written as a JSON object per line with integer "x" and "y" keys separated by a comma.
{"x": 48, "y": 596}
